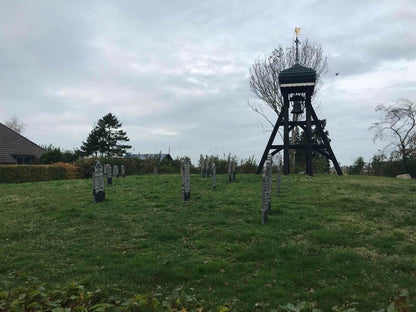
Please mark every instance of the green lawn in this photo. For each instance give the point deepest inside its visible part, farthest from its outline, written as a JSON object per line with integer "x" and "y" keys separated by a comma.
{"x": 331, "y": 240}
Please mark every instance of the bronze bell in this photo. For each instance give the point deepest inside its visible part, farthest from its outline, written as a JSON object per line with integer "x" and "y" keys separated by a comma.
{"x": 297, "y": 104}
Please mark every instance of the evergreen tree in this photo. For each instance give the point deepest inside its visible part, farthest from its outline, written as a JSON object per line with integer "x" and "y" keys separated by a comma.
{"x": 91, "y": 145}
{"x": 320, "y": 163}
{"x": 357, "y": 167}
{"x": 106, "y": 138}
{"x": 54, "y": 154}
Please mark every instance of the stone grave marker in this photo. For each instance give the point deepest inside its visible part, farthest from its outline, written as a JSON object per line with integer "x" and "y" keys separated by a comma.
{"x": 98, "y": 183}
{"x": 109, "y": 175}
{"x": 214, "y": 178}
{"x": 202, "y": 165}
{"x": 267, "y": 189}
{"x": 279, "y": 174}
{"x": 123, "y": 171}
{"x": 233, "y": 169}
{"x": 229, "y": 169}
{"x": 186, "y": 179}
{"x": 154, "y": 170}
{"x": 115, "y": 171}
{"x": 105, "y": 170}
{"x": 207, "y": 166}
{"x": 269, "y": 183}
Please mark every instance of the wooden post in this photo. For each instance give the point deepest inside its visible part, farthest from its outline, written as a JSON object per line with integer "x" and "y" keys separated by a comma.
{"x": 285, "y": 112}
{"x": 308, "y": 106}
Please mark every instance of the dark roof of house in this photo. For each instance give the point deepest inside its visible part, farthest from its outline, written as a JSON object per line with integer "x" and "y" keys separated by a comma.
{"x": 150, "y": 156}
{"x": 14, "y": 144}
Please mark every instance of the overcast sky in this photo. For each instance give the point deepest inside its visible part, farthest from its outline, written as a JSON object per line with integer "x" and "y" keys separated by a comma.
{"x": 175, "y": 73}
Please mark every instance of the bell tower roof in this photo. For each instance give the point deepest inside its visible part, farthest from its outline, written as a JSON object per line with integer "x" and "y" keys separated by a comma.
{"x": 297, "y": 74}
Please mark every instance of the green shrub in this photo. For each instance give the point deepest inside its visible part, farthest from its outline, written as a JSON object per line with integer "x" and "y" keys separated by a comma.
{"x": 35, "y": 297}
{"x": 248, "y": 165}
{"x": 357, "y": 166}
{"x": 165, "y": 166}
{"x": 148, "y": 164}
{"x": 391, "y": 168}
{"x": 84, "y": 165}
{"x": 31, "y": 173}
{"x": 74, "y": 297}
{"x": 71, "y": 172}
{"x": 131, "y": 165}
{"x": 54, "y": 154}
{"x": 221, "y": 165}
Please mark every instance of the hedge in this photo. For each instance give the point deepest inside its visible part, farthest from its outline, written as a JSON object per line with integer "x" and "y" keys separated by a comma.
{"x": 83, "y": 165}
{"x": 81, "y": 169}
{"x": 132, "y": 166}
{"x": 394, "y": 168}
{"x": 35, "y": 173}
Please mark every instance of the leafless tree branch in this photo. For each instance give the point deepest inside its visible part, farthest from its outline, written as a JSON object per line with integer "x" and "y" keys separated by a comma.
{"x": 15, "y": 124}
{"x": 398, "y": 124}
{"x": 264, "y": 73}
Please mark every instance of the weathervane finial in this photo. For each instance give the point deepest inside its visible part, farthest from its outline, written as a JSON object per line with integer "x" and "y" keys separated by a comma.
{"x": 297, "y": 32}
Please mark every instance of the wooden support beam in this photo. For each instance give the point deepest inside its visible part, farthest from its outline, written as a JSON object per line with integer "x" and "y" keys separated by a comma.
{"x": 326, "y": 143}
{"x": 269, "y": 143}
{"x": 308, "y": 107}
{"x": 311, "y": 120}
{"x": 286, "y": 134}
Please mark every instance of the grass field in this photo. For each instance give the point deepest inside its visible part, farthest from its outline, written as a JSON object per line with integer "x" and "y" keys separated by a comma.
{"x": 338, "y": 241}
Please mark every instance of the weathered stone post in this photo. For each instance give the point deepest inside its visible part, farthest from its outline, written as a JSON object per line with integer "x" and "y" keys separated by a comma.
{"x": 105, "y": 170}
{"x": 115, "y": 171}
{"x": 123, "y": 171}
{"x": 229, "y": 169}
{"x": 267, "y": 189}
{"x": 233, "y": 169}
{"x": 279, "y": 174}
{"x": 202, "y": 165}
{"x": 269, "y": 182}
{"x": 214, "y": 179}
{"x": 98, "y": 183}
{"x": 186, "y": 179}
{"x": 109, "y": 175}
{"x": 207, "y": 165}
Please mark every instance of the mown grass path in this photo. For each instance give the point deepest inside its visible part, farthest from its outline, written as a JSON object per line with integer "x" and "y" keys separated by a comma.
{"x": 333, "y": 240}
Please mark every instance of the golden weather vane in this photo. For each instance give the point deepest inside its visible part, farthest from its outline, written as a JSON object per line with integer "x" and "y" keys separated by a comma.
{"x": 297, "y": 32}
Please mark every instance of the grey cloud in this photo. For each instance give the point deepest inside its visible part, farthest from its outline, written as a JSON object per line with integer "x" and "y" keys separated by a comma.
{"x": 175, "y": 72}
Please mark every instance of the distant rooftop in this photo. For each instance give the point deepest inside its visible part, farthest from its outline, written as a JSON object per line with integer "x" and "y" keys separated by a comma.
{"x": 15, "y": 148}
{"x": 150, "y": 156}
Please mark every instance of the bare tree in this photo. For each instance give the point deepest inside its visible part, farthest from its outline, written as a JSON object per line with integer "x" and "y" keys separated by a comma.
{"x": 264, "y": 74}
{"x": 15, "y": 124}
{"x": 398, "y": 126}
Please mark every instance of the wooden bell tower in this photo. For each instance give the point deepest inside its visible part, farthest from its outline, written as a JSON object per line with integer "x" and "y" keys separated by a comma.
{"x": 297, "y": 84}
